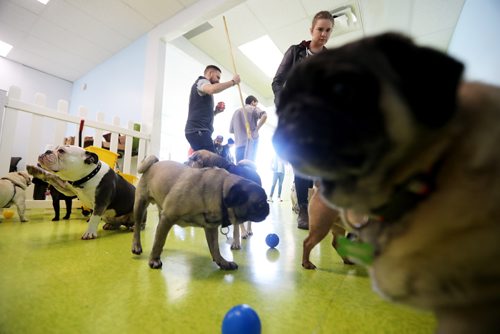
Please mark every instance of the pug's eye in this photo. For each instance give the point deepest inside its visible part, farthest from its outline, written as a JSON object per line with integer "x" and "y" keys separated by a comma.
{"x": 344, "y": 89}
{"x": 339, "y": 89}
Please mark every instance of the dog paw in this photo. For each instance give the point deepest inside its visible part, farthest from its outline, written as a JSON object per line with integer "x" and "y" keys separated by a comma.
{"x": 55, "y": 219}
{"x": 308, "y": 265}
{"x": 235, "y": 245}
{"x": 66, "y": 217}
{"x": 228, "y": 265}
{"x": 155, "y": 264}
{"x": 109, "y": 226}
{"x": 24, "y": 220}
{"x": 89, "y": 235}
{"x": 244, "y": 236}
{"x": 137, "y": 249}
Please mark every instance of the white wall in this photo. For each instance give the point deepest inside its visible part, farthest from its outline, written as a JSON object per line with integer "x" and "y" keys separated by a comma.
{"x": 475, "y": 40}
{"x": 32, "y": 81}
{"x": 115, "y": 87}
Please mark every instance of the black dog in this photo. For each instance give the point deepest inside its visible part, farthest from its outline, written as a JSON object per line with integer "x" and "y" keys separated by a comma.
{"x": 41, "y": 188}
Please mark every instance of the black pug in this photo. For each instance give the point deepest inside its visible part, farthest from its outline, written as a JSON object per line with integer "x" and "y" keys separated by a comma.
{"x": 392, "y": 132}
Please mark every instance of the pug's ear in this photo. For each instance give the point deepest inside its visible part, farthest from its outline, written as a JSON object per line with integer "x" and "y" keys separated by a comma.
{"x": 91, "y": 158}
{"x": 428, "y": 78}
{"x": 236, "y": 196}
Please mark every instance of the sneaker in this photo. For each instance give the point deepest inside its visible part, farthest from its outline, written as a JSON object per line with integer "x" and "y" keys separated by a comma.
{"x": 303, "y": 218}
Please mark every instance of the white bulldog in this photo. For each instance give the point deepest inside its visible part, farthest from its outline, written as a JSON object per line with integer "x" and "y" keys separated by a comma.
{"x": 12, "y": 191}
{"x": 75, "y": 171}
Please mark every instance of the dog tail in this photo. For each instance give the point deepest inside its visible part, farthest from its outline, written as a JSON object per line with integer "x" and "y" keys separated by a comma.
{"x": 146, "y": 163}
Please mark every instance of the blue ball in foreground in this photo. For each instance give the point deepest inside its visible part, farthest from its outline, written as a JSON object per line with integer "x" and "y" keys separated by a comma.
{"x": 272, "y": 240}
{"x": 241, "y": 319}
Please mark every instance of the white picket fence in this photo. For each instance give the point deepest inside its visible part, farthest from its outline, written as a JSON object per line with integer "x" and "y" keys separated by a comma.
{"x": 53, "y": 124}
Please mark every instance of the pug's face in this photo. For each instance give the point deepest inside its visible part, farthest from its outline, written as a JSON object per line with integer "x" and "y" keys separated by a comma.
{"x": 248, "y": 200}
{"x": 351, "y": 115}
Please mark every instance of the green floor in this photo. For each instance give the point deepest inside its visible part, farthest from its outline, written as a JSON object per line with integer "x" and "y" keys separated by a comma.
{"x": 53, "y": 282}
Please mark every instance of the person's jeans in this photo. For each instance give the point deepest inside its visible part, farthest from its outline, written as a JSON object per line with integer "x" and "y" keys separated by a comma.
{"x": 302, "y": 186}
{"x": 277, "y": 177}
{"x": 251, "y": 152}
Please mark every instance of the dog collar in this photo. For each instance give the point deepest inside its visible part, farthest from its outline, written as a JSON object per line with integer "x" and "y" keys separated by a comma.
{"x": 78, "y": 183}
{"x": 408, "y": 195}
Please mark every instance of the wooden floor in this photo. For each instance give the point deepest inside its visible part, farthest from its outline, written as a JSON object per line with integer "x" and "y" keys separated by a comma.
{"x": 53, "y": 282}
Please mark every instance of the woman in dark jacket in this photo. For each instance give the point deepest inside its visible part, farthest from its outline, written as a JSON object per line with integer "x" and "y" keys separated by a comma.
{"x": 321, "y": 29}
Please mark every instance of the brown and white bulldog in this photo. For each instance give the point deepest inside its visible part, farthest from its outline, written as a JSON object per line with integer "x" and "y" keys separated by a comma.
{"x": 185, "y": 196}
{"x": 76, "y": 172}
{"x": 392, "y": 132}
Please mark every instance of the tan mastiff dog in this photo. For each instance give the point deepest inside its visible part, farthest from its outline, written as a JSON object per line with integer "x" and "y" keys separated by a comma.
{"x": 244, "y": 168}
{"x": 207, "y": 198}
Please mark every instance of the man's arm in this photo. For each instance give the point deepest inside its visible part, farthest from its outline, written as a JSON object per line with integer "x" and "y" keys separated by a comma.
{"x": 262, "y": 120}
{"x": 215, "y": 88}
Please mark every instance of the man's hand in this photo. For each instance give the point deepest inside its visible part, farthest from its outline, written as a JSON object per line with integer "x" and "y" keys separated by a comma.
{"x": 236, "y": 79}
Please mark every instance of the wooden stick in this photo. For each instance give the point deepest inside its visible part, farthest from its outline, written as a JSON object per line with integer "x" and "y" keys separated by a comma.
{"x": 247, "y": 125}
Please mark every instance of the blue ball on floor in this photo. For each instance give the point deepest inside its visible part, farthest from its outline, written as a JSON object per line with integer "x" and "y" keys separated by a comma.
{"x": 272, "y": 240}
{"x": 241, "y": 319}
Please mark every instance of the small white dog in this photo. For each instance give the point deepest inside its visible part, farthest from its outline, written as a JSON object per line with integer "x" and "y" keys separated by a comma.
{"x": 12, "y": 191}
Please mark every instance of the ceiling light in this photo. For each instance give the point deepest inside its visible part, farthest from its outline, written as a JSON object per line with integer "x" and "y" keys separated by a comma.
{"x": 263, "y": 53}
{"x": 44, "y": 1}
{"x": 346, "y": 13}
{"x": 5, "y": 48}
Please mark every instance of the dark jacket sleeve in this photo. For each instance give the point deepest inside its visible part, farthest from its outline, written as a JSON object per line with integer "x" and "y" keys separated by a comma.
{"x": 282, "y": 72}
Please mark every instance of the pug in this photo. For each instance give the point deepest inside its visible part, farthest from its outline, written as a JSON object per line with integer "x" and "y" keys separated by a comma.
{"x": 12, "y": 191}
{"x": 206, "y": 197}
{"x": 392, "y": 132}
{"x": 244, "y": 168}
{"x": 74, "y": 171}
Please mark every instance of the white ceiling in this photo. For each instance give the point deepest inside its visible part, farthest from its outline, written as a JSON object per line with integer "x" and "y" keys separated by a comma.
{"x": 67, "y": 38}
